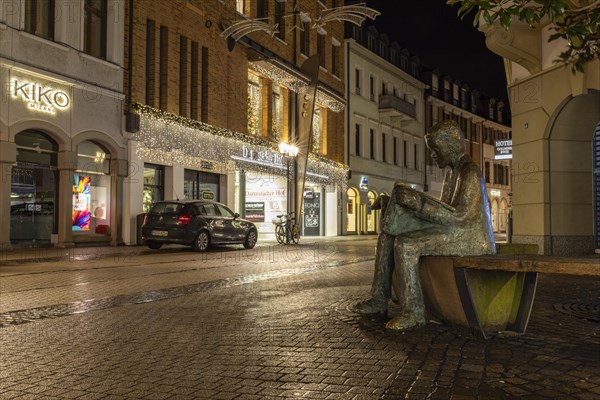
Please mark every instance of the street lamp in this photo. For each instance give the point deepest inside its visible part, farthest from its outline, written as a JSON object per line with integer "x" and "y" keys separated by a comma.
{"x": 290, "y": 151}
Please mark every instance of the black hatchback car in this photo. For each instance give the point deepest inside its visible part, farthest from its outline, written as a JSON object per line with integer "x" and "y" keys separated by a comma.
{"x": 196, "y": 223}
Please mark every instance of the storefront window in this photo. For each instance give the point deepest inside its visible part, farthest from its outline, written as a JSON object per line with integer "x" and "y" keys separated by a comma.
{"x": 200, "y": 185}
{"x": 34, "y": 184}
{"x": 277, "y": 111}
{"x": 317, "y": 141}
{"x": 154, "y": 186}
{"x": 265, "y": 198}
{"x": 351, "y": 210}
{"x": 312, "y": 222}
{"x": 371, "y": 214}
{"x": 253, "y": 104}
{"x": 91, "y": 190}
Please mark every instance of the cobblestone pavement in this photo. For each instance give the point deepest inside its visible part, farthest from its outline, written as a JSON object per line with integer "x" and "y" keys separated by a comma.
{"x": 232, "y": 325}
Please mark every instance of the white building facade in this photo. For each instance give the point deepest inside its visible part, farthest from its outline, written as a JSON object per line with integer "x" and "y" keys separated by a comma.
{"x": 384, "y": 129}
{"x": 62, "y": 152}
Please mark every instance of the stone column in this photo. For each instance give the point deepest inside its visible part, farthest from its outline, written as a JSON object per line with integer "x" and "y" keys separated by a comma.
{"x": 67, "y": 163}
{"x": 118, "y": 171}
{"x": 8, "y": 156}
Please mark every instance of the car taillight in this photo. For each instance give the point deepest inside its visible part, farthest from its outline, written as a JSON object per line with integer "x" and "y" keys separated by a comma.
{"x": 145, "y": 218}
{"x": 184, "y": 219}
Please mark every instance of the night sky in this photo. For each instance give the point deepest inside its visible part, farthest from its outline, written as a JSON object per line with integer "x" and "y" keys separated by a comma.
{"x": 431, "y": 30}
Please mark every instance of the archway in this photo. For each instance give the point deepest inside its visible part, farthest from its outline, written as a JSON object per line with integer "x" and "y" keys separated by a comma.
{"x": 91, "y": 191}
{"x": 372, "y": 215}
{"x": 34, "y": 188}
{"x": 352, "y": 211}
{"x": 495, "y": 215}
{"x": 503, "y": 215}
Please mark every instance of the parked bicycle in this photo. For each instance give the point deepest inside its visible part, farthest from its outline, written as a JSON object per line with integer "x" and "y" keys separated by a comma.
{"x": 286, "y": 229}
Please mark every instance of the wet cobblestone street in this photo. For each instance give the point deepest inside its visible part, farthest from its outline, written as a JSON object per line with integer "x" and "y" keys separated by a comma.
{"x": 176, "y": 325}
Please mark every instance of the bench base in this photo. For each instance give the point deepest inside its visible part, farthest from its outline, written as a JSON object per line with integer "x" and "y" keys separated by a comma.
{"x": 490, "y": 301}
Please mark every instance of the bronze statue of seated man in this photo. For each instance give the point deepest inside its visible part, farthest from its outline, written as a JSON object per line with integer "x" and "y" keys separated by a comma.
{"x": 415, "y": 224}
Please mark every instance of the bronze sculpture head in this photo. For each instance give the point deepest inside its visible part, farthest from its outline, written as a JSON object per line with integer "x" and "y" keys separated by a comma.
{"x": 446, "y": 142}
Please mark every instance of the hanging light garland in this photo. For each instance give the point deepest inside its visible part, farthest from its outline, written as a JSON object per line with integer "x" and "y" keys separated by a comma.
{"x": 169, "y": 139}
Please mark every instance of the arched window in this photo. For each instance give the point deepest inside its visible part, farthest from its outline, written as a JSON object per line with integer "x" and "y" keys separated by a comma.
{"x": 91, "y": 190}
{"x": 352, "y": 210}
{"x": 495, "y": 215}
{"x": 372, "y": 215}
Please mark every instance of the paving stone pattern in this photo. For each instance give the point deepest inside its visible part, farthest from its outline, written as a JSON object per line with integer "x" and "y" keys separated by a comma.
{"x": 293, "y": 336}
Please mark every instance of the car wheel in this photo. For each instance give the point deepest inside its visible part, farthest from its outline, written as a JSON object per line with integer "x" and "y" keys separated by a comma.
{"x": 202, "y": 241}
{"x": 154, "y": 245}
{"x": 250, "y": 239}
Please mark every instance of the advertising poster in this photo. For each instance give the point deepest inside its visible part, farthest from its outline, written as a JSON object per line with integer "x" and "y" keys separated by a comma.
{"x": 312, "y": 212}
{"x": 81, "y": 216}
{"x": 255, "y": 211}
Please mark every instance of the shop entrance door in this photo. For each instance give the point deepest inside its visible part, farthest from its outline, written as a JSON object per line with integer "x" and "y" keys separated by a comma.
{"x": 34, "y": 184}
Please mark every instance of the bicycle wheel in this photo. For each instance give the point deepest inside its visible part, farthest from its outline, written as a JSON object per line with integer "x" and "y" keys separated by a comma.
{"x": 280, "y": 234}
{"x": 295, "y": 234}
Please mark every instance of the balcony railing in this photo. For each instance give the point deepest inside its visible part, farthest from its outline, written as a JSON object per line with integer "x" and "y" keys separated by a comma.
{"x": 396, "y": 106}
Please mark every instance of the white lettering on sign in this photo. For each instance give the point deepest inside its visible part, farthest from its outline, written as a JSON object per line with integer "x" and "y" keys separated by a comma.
{"x": 495, "y": 193}
{"x": 41, "y": 98}
{"x": 264, "y": 156}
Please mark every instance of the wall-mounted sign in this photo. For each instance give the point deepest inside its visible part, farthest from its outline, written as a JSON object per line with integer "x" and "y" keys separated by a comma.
{"x": 41, "y": 98}
{"x": 206, "y": 165}
{"x": 364, "y": 183}
{"x": 208, "y": 195}
{"x": 495, "y": 193}
{"x": 264, "y": 157}
{"x": 503, "y": 149}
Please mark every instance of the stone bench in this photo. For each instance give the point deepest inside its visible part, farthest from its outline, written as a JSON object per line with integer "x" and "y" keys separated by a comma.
{"x": 493, "y": 294}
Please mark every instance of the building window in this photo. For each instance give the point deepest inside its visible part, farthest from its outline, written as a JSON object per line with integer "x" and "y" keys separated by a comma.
{"x": 262, "y": 9}
{"x": 279, "y": 20}
{"x": 277, "y": 113}
{"x": 199, "y": 185}
{"x": 383, "y": 149}
{"x": 335, "y": 53}
{"x": 39, "y": 18}
{"x": 395, "y": 151}
{"x": 416, "y": 156}
{"x": 95, "y": 21}
{"x": 194, "y": 84}
{"x": 163, "y": 74}
{"x": 254, "y": 105}
{"x": 317, "y": 139}
{"x": 305, "y": 38}
{"x": 154, "y": 185}
{"x": 371, "y": 42}
{"x": 372, "y": 88}
{"x": 150, "y": 61}
{"x": 357, "y": 81}
{"x": 183, "y": 76}
{"x": 487, "y": 172}
{"x": 372, "y": 144}
{"x": 405, "y": 154}
{"x": 204, "y": 92}
{"x": 321, "y": 49}
{"x": 357, "y": 149}
{"x": 240, "y": 6}
{"x": 91, "y": 190}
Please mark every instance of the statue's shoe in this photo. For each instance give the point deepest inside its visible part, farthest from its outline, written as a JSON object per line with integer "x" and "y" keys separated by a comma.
{"x": 371, "y": 306}
{"x": 406, "y": 321}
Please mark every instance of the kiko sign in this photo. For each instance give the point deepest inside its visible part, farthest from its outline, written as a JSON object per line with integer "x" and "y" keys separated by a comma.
{"x": 41, "y": 98}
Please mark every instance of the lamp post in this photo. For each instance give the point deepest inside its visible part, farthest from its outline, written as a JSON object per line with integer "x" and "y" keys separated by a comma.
{"x": 290, "y": 151}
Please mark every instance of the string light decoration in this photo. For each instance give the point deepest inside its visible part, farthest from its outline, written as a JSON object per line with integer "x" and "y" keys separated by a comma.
{"x": 170, "y": 139}
{"x": 295, "y": 83}
{"x": 356, "y": 14}
{"x": 247, "y": 26}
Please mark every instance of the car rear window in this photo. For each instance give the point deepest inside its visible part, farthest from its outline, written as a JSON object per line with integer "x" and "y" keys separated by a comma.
{"x": 166, "y": 208}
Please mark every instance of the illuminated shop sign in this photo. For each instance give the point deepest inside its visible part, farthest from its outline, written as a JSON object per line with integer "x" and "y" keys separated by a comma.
{"x": 46, "y": 99}
{"x": 364, "y": 183}
{"x": 503, "y": 149}
{"x": 495, "y": 193}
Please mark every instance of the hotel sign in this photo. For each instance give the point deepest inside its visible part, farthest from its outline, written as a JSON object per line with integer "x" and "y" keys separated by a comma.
{"x": 503, "y": 149}
{"x": 46, "y": 99}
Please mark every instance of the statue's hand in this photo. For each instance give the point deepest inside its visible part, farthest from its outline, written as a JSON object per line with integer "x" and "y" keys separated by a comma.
{"x": 407, "y": 197}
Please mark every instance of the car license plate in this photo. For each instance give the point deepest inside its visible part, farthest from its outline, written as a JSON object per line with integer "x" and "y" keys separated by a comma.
{"x": 160, "y": 233}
